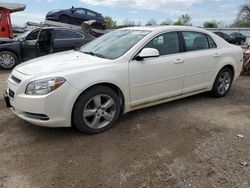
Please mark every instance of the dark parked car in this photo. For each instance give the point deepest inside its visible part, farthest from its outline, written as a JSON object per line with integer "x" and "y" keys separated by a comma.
{"x": 226, "y": 37}
{"x": 239, "y": 38}
{"x": 77, "y": 16}
{"x": 39, "y": 42}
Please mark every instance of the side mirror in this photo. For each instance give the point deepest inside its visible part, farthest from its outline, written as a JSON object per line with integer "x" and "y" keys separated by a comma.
{"x": 73, "y": 9}
{"x": 148, "y": 53}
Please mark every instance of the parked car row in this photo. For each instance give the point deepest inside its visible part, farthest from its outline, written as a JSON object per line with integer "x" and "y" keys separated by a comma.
{"x": 233, "y": 38}
{"x": 39, "y": 42}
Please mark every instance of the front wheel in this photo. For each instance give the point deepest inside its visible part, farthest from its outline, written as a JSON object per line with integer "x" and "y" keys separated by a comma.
{"x": 8, "y": 60}
{"x": 96, "y": 110}
{"x": 223, "y": 83}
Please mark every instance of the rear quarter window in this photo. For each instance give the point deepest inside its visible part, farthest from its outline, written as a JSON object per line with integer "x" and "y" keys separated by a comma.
{"x": 91, "y": 14}
{"x": 67, "y": 34}
{"x": 211, "y": 42}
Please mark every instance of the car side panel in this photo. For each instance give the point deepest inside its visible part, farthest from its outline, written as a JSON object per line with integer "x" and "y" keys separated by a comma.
{"x": 200, "y": 65}
{"x": 229, "y": 56}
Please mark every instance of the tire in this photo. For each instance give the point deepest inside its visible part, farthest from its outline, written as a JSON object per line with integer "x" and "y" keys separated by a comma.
{"x": 64, "y": 19}
{"x": 223, "y": 83}
{"x": 96, "y": 110}
{"x": 8, "y": 60}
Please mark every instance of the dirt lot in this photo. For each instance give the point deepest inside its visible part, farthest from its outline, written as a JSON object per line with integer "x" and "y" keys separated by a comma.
{"x": 187, "y": 143}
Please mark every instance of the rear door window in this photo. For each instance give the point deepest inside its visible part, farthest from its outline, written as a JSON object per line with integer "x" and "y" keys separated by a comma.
{"x": 195, "y": 41}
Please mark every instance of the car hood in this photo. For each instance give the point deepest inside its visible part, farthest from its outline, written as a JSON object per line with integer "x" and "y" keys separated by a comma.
{"x": 6, "y": 40}
{"x": 60, "y": 62}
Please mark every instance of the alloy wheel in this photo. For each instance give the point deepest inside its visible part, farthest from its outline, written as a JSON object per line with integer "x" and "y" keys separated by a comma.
{"x": 224, "y": 83}
{"x": 99, "y": 111}
{"x": 7, "y": 61}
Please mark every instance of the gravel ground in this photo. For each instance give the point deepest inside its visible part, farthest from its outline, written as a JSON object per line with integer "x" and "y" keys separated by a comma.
{"x": 191, "y": 142}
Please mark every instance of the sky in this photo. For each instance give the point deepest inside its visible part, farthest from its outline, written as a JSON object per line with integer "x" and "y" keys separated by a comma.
{"x": 200, "y": 11}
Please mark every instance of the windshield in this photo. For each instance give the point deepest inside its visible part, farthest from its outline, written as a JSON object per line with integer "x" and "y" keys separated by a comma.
{"x": 22, "y": 36}
{"x": 114, "y": 44}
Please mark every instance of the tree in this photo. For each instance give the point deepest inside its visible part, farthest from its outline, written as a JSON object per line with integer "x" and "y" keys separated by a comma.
{"x": 151, "y": 22}
{"x": 128, "y": 23}
{"x": 110, "y": 23}
{"x": 167, "y": 22}
{"x": 243, "y": 18}
{"x": 244, "y": 12}
{"x": 211, "y": 24}
{"x": 184, "y": 20}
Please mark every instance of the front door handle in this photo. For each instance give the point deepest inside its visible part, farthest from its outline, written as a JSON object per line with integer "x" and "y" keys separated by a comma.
{"x": 179, "y": 61}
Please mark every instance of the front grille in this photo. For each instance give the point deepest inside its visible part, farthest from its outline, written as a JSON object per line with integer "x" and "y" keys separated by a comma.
{"x": 11, "y": 94}
{"x": 15, "y": 79}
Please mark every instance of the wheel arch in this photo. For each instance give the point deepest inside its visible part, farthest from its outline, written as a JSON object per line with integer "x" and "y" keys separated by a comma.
{"x": 226, "y": 65}
{"x": 112, "y": 86}
{"x": 12, "y": 51}
{"x": 231, "y": 67}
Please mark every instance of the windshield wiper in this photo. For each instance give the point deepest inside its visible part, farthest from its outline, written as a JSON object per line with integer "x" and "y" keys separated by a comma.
{"x": 95, "y": 54}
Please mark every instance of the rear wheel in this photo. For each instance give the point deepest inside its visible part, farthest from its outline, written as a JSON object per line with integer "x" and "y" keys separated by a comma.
{"x": 8, "y": 60}
{"x": 222, "y": 83}
{"x": 96, "y": 110}
{"x": 64, "y": 19}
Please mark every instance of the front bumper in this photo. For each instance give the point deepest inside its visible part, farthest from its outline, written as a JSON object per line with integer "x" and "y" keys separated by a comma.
{"x": 6, "y": 98}
{"x": 51, "y": 110}
{"x": 51, "y": 18}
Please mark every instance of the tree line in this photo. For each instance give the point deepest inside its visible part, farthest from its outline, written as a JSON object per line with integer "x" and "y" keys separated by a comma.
{"x": 242, "y": 20}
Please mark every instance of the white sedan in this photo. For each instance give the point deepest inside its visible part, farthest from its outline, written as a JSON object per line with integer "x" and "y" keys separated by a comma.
{"x": 124, "y": 70}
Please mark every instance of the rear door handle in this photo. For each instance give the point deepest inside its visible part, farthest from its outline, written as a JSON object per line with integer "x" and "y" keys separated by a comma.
{"x": 216, "y": 55}
{"x": 179, "y": 61}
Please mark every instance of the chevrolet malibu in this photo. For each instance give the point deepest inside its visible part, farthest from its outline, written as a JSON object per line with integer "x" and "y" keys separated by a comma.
{"x": 122, "y": 71}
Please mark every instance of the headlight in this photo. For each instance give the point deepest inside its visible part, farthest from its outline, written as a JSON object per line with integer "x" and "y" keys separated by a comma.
{"x": 43, "y": 87}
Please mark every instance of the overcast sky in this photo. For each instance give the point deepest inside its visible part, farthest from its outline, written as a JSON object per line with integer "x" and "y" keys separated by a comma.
{"x": 136, "y": 10}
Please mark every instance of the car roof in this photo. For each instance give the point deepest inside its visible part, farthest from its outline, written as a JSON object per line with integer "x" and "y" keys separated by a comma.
{"x": 167, "y": 28}
{"x": 58, "y": 28}
{"x": 84, "y": 9}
